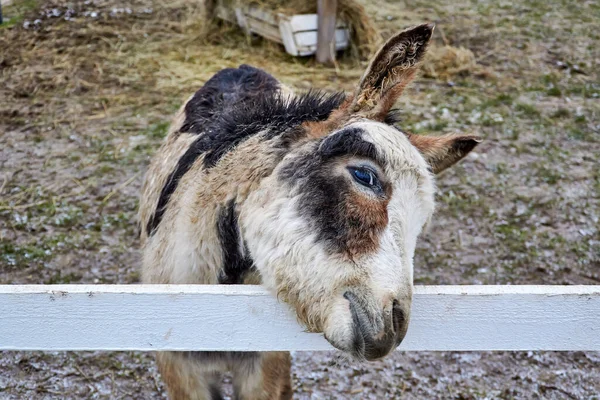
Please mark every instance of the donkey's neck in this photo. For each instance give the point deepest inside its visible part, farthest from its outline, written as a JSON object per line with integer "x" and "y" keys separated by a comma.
{"x": 193, "y": 230}
{"x": 199, "y": 236}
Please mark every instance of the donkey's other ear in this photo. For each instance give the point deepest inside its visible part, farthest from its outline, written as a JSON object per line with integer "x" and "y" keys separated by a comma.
{"x": 393, "y": 67}
{"x": 441, "y": 152}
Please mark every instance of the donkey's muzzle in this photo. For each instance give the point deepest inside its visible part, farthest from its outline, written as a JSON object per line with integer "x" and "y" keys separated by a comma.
{"x": 376, "y": 334}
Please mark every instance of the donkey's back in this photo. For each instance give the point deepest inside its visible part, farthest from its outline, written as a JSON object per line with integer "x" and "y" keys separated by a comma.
{"x": 227, "y": 90}
{"x": 222, "y": 142}
{"x": 218, "y": 97}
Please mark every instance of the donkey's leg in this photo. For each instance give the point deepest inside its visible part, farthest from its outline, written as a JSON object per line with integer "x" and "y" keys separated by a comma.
{"x": 190, "y": 376}
{"x": 263, "y": 376}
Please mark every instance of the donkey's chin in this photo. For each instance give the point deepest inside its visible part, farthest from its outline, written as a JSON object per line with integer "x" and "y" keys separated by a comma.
{"x": 363, "y": 348}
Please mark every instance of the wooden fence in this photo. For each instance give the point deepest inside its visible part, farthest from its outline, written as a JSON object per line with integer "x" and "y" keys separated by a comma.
{"x": 247, "y": 318}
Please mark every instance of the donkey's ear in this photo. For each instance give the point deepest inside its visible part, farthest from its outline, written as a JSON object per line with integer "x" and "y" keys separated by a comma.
{"x": 393, "y": 67}
{"x": 441, "y": 152}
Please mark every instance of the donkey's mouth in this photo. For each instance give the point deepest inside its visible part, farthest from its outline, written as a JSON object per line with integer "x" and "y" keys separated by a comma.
{"x": 369, "y": 341}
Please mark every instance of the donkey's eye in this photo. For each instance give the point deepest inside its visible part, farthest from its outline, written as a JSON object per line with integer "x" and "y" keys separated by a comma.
{"x": 366, "y": 177}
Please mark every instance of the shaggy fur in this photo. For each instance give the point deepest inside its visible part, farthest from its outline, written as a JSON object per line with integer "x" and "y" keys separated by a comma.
{"x": 253, "y": 185}
{"x": 238, "y": 119}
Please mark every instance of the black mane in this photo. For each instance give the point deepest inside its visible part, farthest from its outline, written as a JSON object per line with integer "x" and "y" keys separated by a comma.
{"x": 267, "y": 111}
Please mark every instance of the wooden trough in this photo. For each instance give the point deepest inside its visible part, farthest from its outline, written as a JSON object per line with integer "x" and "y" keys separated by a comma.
{"x": 298, "y": 33}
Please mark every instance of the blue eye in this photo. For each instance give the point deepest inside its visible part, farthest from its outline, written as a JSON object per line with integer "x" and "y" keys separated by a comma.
{"x": 366, "y": 177}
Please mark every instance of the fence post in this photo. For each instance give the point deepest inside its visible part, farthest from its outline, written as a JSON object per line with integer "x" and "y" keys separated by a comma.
{"x": 326, "y": 10}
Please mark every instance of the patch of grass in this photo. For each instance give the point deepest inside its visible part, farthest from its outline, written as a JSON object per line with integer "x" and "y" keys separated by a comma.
{"x": 105, "y": 152}
{"x": 106, "y": 169}
{"x": 527, "y": 110}
{"x": 16, "y": 12}
{"x": 554, "y": 91}
{"x": 139, "y": 152}
{"x": 68, "y": 216}
{"x": 576, "y": 133}
{"x": 501, "y": 99}
{"x": 515, "y": 236}
{"x": 460, "y": 203}
{"x": 588, "y": 90}
{"x": 492, "y": 119}
{"x": 438, "y": 126}
{"x": 561, "y": 113}
{"x": 120, "y": 220}
{"x": 549, "y": 79}
{"x": 52, "y": 211}
{"x": 548, "y": 175}
{"x": 59, "y": 278}
{"x": 158, "y": 130}
{"x": 17, "y": 256}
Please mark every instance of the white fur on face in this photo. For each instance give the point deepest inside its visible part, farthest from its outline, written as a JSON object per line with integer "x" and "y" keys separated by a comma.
{"x": 296, "y": 266}
{"x": 291, "y": 261}
{"x": 411, "y": 206}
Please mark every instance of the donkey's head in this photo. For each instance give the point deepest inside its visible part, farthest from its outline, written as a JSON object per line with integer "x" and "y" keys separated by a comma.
{"x": 333, "y": 230}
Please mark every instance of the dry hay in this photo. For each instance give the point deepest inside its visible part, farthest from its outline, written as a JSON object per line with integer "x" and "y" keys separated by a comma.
{"x": 109, "y": 57}
{"x": 365, "y": 39}
{"x": 87, "y": 50}
{"x": 104, "y": 56}
{"x": 447, "y": 61}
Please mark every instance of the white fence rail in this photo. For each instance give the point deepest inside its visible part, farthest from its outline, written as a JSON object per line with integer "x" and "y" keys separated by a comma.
{"x": 247, "y": 318}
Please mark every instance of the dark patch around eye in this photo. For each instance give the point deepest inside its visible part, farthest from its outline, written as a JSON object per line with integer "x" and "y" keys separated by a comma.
{"x": 346, "y": 221}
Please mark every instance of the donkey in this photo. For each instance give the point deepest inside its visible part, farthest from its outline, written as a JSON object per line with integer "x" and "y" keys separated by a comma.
{"x": 318, "y": 197}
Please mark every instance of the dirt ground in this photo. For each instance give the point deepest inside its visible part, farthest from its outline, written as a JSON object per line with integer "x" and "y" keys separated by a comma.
{"x": 86, "y": 92}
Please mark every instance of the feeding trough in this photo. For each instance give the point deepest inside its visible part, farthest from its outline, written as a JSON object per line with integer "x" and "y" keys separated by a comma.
{"x": 298, "y": 32}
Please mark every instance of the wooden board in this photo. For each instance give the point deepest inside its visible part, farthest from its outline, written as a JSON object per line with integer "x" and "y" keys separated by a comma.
{"x": 244, "y": 318}
{"x": 298, "y": 33}
{"x": 326, "y": 40}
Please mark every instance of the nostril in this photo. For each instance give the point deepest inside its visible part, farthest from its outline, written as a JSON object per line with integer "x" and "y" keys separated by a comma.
{"x": 398, "y": 317}
{"x": 375, "y": 334}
